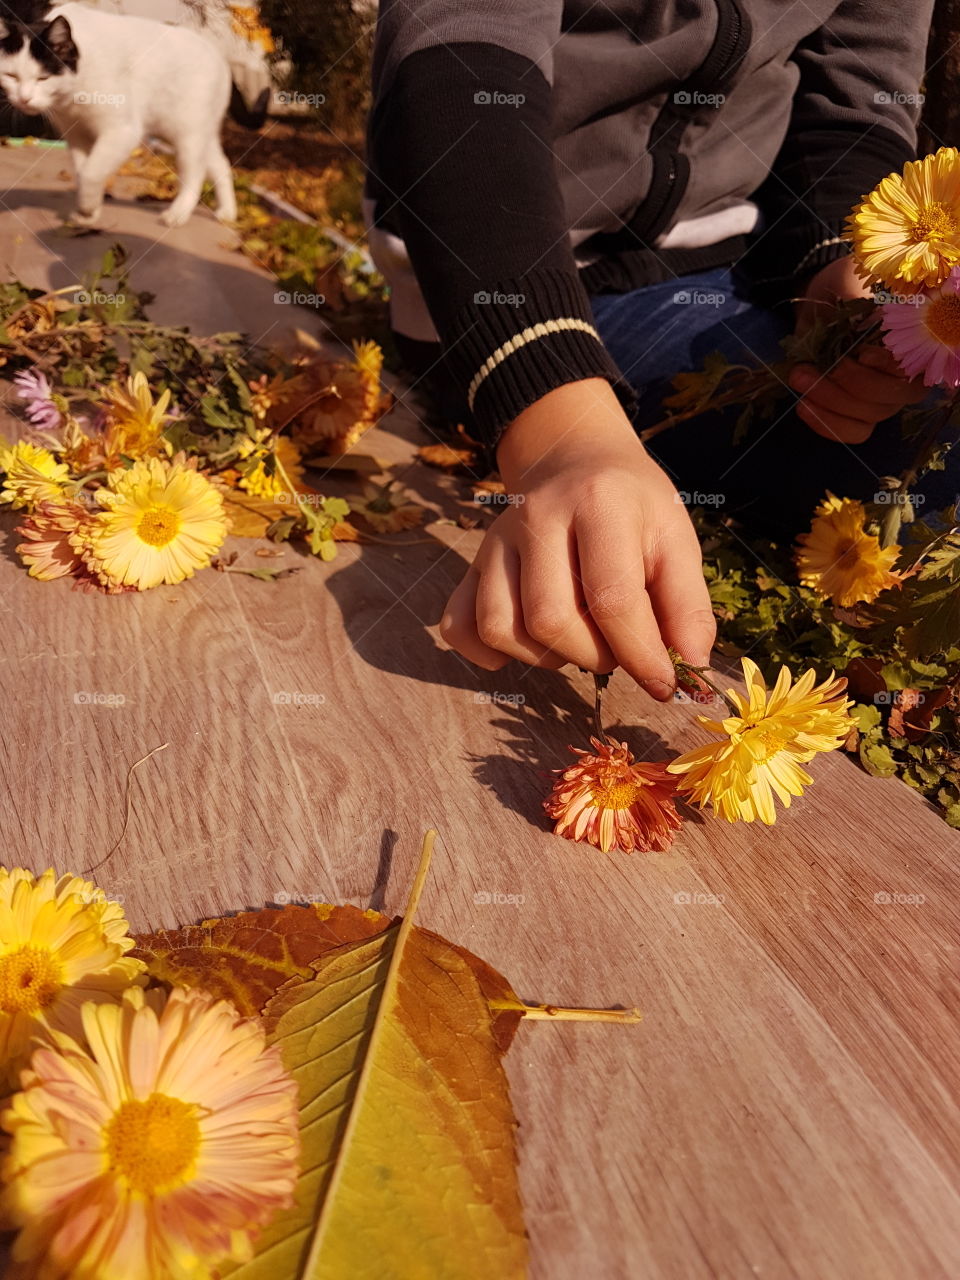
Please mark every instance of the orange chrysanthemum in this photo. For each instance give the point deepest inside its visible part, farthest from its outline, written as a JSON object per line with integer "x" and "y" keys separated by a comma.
{"x": 613, "y": 802}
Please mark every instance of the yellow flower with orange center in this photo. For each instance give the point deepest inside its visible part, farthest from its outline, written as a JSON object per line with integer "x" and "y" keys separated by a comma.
{"x": 908, "y": 228}
{"x": 839, "y": 558}
{"x": 154, "y": 1149}
{"x": 61, "y": 943}
{"x": 612, "y": 801}
{"x": 161, "y": 521}
{"x": 763, "y": 744}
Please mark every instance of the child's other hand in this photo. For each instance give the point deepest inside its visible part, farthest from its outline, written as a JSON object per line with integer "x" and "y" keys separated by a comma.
{"x": 862, "y": 390}
{"x": 596, "y": 562}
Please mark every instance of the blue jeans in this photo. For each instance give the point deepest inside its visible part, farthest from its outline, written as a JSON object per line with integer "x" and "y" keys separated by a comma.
{"x": 775, "y": 477}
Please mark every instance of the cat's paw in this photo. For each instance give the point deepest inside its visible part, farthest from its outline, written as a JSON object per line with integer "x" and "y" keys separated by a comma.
{"x": 176, "y": 217}
{"x": 80, "y": 218}
{"x": 226, "y": 213}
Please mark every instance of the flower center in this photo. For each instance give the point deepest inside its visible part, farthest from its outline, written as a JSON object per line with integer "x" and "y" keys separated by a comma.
{"x": 935, "y": 222}
{"x": 616, "y": 795}
{"x": 30, "y": 978}
{"x": 847, "y": 552}
{"x": 154, "y": 1143}
{"x": 771, "y": 740}
{"x": 158, "y": 526}
{"x": 943, "y": 319}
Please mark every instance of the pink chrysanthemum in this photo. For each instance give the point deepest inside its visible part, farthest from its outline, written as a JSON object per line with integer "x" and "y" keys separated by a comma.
{"x": 613, "y": 802}
{"x": 923, "y": 332}
{"x": 155, "y": 1153}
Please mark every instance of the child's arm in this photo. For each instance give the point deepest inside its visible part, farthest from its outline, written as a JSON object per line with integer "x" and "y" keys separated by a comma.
{"x": 599, "y": 564}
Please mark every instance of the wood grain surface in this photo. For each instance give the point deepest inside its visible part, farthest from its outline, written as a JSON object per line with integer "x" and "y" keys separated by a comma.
{"x": 789, "y": 1106}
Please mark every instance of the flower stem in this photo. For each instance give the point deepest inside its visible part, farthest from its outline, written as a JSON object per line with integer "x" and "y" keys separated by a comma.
{"x": 688, "y": 675}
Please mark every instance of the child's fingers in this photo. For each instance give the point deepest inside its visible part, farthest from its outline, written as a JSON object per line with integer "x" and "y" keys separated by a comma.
{"x": 500, "y": 613}
{"x": 610, "y": 549}
{"x": 553, "y": 604}
{"x": 681, "y": 598}
{"x": 458, "y": 626}
{"x": 834, "y": 426}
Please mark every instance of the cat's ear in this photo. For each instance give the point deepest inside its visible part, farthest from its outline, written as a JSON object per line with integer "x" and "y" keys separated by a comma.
{"x": 58, "y": 39}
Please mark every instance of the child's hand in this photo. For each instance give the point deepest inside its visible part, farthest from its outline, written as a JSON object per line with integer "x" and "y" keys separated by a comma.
{"x": 860, "y": 391}
{"x": 596, "y": 562}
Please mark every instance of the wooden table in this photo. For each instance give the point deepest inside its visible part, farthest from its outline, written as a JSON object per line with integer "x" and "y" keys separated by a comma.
{"x": 789, "y": 1106}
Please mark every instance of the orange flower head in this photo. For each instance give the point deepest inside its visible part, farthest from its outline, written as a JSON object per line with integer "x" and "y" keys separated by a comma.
{"x": 612, "y": 801}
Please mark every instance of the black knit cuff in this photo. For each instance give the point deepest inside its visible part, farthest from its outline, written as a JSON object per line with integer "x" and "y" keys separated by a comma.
{"x": 818, "y": 178}
{"x": 522, "y": 338}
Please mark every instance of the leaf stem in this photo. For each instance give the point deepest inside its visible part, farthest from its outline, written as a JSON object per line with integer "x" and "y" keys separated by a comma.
{"x": 558, "y": 1013}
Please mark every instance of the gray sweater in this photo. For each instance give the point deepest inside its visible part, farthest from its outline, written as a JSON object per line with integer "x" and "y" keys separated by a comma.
{"x": 525, "y": 154}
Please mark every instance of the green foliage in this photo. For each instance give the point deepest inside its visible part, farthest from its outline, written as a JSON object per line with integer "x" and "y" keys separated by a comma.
{"x": 901, "y": 656}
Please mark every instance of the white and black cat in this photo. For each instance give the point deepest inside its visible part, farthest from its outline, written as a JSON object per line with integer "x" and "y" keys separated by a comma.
{"x": 106, "y": 81}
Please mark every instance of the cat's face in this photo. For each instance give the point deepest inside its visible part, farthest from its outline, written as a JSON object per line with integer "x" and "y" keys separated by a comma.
{"x": 37, "y": 64}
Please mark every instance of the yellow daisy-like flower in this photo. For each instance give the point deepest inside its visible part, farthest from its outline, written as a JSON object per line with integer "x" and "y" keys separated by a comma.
{"x": 840, "y": 559}
{"x": 908, "y": 228}
{"x": 61, "y": 943}
{"x": 161, "y": 522}
{"x": 135, "y": 421}
{"x": 762, "y": 747}
{"x": 385, "y": 511}
{"x": 32, "y": 475}
{"x": 157, "y": 1152}
{"x": 262, "y": 482}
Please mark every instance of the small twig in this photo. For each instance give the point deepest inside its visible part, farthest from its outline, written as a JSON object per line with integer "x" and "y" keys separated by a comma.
{"x": 126, "y": 817}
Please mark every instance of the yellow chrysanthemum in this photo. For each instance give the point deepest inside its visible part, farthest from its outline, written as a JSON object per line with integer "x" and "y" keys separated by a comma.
{"x": 135, "y": 421}
{"x": 32, "y": 475}
{"x": 762, "y": 747}
{"x": 908, "y": 227}
{"x": 338, "y": 403}
{"x": 162, "y": 521}
{"x": 61, "y": 943}
{"x": 839, "y": 558}
{"x": 266, "y": 482}
{"x": 155, "y": 1153}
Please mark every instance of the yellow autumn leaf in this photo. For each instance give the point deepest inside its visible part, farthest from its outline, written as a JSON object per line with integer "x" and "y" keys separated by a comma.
{"x": 408, "y": 1136}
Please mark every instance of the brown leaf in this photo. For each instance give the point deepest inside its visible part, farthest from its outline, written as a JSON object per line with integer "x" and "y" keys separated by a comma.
{"x": 446, "y": 457}
{"x": 246, "y": 958}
